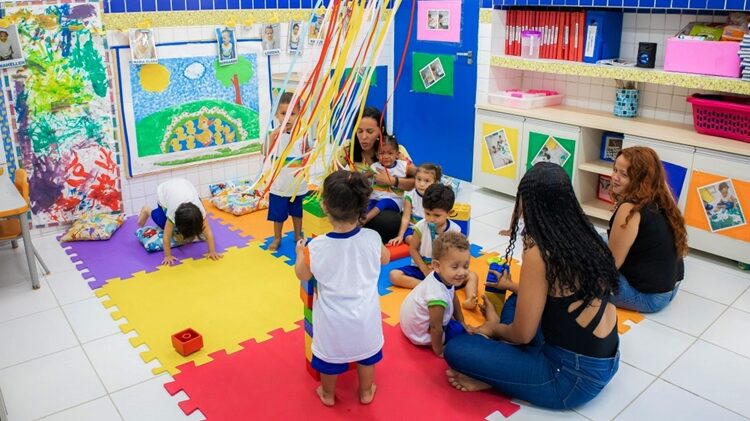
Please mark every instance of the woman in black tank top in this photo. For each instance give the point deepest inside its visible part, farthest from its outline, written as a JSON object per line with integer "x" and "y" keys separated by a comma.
{"x": 567, "y": 277}
{"x": 647, "y": 233}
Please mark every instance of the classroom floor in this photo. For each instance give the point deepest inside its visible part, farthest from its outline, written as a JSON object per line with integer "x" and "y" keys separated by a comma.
{"x": 63, "y": 357}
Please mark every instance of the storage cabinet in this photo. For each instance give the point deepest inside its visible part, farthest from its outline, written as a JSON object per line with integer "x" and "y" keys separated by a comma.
{"x": 547, "y": 141}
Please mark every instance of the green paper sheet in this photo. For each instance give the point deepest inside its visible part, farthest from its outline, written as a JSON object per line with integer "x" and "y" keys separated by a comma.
{"x": 426, "y": 77}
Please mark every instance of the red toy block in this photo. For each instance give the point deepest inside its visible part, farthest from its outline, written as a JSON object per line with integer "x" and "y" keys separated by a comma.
{"x": 187, "y": 341}
{"x": 399, "y": 251}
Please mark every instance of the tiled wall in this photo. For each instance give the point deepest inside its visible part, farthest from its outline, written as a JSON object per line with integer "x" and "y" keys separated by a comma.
{"x": 656, "y": 101}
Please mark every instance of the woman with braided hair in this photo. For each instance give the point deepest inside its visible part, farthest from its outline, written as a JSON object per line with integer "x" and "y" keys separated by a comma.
{"x": 647, "y": 233}
{"x": 567, "y": 278}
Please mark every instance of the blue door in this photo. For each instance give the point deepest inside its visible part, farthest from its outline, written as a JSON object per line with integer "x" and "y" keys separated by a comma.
{"x": 438, "y": 128}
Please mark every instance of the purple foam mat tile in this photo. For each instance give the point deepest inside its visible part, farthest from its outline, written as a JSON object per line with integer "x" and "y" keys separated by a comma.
{"x": 122, "y": 255}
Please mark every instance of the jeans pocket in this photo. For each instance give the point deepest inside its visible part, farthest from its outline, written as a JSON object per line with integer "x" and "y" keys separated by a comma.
{"x": 581, "y": 392}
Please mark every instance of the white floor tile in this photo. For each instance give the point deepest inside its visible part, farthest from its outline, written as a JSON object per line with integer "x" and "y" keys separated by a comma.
{"x": 485, "y": 235}
{"x": 637, "y": 347}
{"x": 743, "y": 303}
{"x": 716, "y": 374}
{"x": 69, "y": 286}
{"x": 59, "y": 263}
{"x": 35, "y": 335}
{"x": 101, "y": 409}
{"x": 533, "y": 413}
{"x": 49, "y": 384}
{"x": 731, "y": 332}
{"x": 689, "y": 313}
{"x": 149, "y": 401}
{"x": 712, "y": 281}
{"x": 90, "y": 320}
{"x": 499, "y": 219}
{"x": 119, "y": 364}
{"x": 484, "y": 201}
{"x": 20, "y": 299}
{"x": 14, "y": 267}
{"x": 665, "y": 401}
{"x": 628, "y": 383}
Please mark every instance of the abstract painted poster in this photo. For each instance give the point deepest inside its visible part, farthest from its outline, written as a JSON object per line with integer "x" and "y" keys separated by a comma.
{"x": 63, "y": 111}
{"x": 188, "y": 108}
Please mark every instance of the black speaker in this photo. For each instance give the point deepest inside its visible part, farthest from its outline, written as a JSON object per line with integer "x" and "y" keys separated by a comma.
{"x": 646, "y": 55}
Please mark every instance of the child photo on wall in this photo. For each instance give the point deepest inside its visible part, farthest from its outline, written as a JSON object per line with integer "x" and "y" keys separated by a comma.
{"x": 315, "y": 31}
{"x": 271, "y": 39}
{"x": 432, "y": 73}
{"x": 499, "y": 149}
{"x": 553, "y": 152}
{"x": 142, "y": 46}
{"x": 227, "y": 46}
{"x": 721, "y": 206}
{"x": 294, "y": 46}
{"x": 11, "y": 53}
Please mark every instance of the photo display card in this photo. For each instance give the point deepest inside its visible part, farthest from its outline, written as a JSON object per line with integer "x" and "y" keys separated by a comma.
{"x": 439, "y": 21}
{"x": 433, "y": 73}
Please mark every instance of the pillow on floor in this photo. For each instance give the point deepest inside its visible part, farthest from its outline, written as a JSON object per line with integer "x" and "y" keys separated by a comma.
{"x": 94, "y": 226}
{"x": 152, "y": 238}
{"x": 237, "y": 197}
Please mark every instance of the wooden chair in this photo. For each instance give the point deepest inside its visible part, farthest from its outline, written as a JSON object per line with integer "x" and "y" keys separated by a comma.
{"x": 10, "y": 229}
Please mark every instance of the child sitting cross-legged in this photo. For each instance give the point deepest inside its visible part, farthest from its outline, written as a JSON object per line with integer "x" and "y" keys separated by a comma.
{"x": 431, "y": 314}
{"x": 346, "y": 305}
{"x": 438, "y": 201}
{"x": 427, "y": 175}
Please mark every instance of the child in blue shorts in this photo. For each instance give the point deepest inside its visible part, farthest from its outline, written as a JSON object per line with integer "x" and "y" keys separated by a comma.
{"x": 283, "y": 187}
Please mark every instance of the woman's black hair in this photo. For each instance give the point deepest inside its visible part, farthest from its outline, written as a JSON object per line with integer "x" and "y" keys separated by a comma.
{"x": 346, "y": 195}
{"x": 577, "y": 259}
{"x": 391, "y": 140}
{"x": 375, "y": 114}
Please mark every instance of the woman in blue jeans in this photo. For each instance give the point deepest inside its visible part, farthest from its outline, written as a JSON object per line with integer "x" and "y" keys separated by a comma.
{"x": 647, "y": 233}
{"x": 567, "y": 278}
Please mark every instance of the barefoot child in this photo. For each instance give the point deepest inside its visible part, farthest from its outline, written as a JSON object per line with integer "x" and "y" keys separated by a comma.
{"x": 179, "y": 211}
{"x": 283, "y": 187}
{"x": 346, "y": 308}
{"x": 431, "y": 314}
{"x": 438, "y": 201}
{"x": 388, "y": 197}
{"x": 427, "y": 174}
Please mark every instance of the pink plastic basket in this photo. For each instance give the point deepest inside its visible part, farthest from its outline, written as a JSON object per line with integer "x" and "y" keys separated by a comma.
{"x": 721, "y": 115}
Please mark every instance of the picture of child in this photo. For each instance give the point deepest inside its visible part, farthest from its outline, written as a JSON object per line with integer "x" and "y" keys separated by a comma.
{"x": 432, "y": 73}
{"x": 11, "y": 53}
{"x": 432, "y": 19}
{"x": 315, "y": 32}
{"x": 427, "y": 78}
{"x": 444, "y": 18}
{"x": 499, "y": 149}
{"x": 142, "y": 46}
{"x": 553, "y": 152}
{"x": 294, "y": 46}
{"x": 437, "y": 69}
{"x": 227, "y": 46}
{"x": 722, "y": 208}
{"x": 271, "y": 43}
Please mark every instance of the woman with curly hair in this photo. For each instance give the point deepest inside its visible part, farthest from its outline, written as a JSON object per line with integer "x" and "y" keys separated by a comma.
{"x": 647, "y": 233}
{"x": 567, "y": 278}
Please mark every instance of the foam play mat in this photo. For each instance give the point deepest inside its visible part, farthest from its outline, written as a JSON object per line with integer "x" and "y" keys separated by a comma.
{"x": 268, "y": 381}
{"x": 245, "y": 295}
{"x": 126, "y": 256}
{"x": 252, "y": 225}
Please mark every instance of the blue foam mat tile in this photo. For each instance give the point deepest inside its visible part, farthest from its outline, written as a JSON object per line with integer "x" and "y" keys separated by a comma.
{"x": 384, "y": 282}
{"x": 475, "y": 250}
{"x": 287, "y": 248}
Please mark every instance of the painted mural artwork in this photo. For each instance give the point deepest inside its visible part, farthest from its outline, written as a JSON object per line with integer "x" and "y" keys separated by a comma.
{"x": 63, "y": 111}
{"x": 189, "y": 109}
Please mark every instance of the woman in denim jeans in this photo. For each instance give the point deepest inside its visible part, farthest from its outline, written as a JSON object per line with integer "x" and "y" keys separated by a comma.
{"x": 647, "y": 233}
{"x": 567, "y": 277}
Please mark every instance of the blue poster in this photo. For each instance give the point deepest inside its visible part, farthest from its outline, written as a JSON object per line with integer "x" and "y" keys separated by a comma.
{"x": 675, "y": 178}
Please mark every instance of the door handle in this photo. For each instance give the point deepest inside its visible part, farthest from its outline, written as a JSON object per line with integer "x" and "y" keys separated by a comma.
{"x": 469, "y": 56}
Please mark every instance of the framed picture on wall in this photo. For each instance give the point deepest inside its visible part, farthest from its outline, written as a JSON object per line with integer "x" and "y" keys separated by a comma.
{"x": 603, "y": 189}
{"x": 499, "y": 149}
{"x": 11, "y": 53}
{"x": 721, "y": 205}
{"x": 227, "y": 46}
{"x": 271, "y": 39}
{"x": 142, "y": 46}
{"x": 315, "y": 32}
{"x": 294, "y": 44}
{"x": 611, "y": 146}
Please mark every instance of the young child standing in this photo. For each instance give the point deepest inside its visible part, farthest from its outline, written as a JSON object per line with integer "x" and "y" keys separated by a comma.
{"x": 388, "y": 197}
{"x": 427, "y": 174}
{"x": 179, "y": 211}
{"x": 431, "y": 314}
{"x": 438, "y": 201}
{"x": 283, "y": 187}
{"x": 346, "y": 308}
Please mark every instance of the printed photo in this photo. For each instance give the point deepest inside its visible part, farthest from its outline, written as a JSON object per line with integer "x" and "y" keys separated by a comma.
{"x": 437, "y": 69}
{"x": 294, "y": 46}
{"x": 227, "y": 46}
{"x": 438, "y": 20}
{"x": 271, "y": 40}
{"x": 432, "y": 73}
{"x": 315, "y": 31}
{"x": 499, "y": 149}
{"x": 721, "y": 205}
{"x": 142, "y": 46}
{"x": 603, "y": 192}
{"x": 427, "y": 78}
{"x": 553, "y": 152}
{"x": 611, "y": 146}
{"x": 11, "y": 53}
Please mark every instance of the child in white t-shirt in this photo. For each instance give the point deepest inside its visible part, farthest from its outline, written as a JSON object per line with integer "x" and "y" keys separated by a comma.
{"x": 346, "y": 306}
{"x": 6, "y": 48}
{"x": 427, "y": 174}
{"x": 388, "y": 197}
{"x": 438, "y": 201}
{"x": 431, "y": 314}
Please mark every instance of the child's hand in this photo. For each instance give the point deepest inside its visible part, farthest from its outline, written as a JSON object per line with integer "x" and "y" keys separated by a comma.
{"x": 300, "y": 246}
{"x": 396, "y": 241}
{"x": 485, "y": 330}
{"x": 214, "y": 255}
{"x": 169, "y": 260}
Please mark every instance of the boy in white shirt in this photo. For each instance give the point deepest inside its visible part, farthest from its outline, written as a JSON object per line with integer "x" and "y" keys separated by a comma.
{"x": 427, "y": 174}
{"x": 431, "y": 314}
{"x": 6, "y": 48}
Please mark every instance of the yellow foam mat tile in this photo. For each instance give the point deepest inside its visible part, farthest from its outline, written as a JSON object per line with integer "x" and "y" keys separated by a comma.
{"x": 243, "y": 296}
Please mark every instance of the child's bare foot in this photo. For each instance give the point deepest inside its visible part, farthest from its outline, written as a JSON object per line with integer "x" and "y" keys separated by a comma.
{"x": 143, "y": 216}
{"x": 274, "y": 244}
{"x": 470, "y": 303}
{"x": 367, "y": 396}
{"x": 465, "y": 383}
{"x": 489, "y": 311}
{"x": 327, "y": 400}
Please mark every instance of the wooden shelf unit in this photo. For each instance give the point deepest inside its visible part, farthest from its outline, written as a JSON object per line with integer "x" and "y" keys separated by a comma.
{"x": 597, "y": 209}
{"x": 635, "y": 74}
{"x": 596, "y": 167}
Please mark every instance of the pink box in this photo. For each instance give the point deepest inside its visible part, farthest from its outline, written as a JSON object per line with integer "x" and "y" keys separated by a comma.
{"x": 702, "y": 57}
